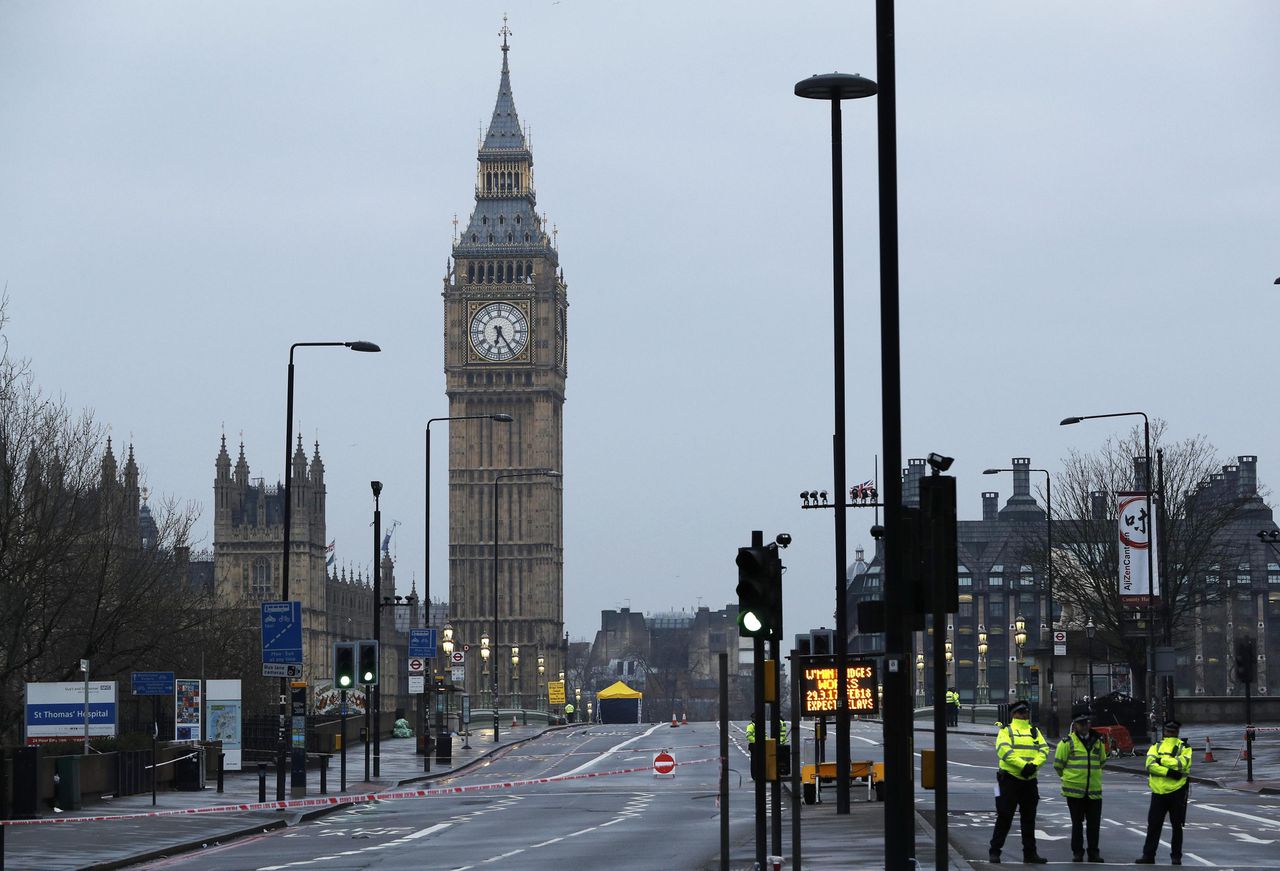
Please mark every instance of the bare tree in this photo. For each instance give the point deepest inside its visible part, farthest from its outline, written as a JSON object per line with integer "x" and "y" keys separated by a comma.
{"x": 76, "y": 579}
{"x": 1194, "y": 516}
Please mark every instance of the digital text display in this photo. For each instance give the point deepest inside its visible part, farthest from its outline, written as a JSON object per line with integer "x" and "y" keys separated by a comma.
{"x": 819, "y": 690}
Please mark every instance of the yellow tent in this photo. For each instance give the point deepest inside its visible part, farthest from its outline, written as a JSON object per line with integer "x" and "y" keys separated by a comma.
{"x": 618, "y": 704}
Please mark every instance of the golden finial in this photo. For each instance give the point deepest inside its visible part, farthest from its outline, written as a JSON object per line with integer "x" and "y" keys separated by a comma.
{"x": 555, "y": 235}
{"x": 455, "y": 228}
{"x": 504, "y": 32}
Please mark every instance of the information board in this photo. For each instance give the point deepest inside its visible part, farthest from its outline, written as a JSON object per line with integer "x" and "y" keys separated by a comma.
{"x": 555, "y": 692}
{"x": 55, "y": 711}
{"x": 819, "y": 688}
{"x": 422, "y": 643}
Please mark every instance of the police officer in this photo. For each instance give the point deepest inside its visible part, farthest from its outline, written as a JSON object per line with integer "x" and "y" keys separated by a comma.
{"x": 568, "y": 712}
{"x": 1078, "y": 761}
{"x": 1168, "y": 764}
{"x": 953, "y": 707}
{"x": 752, "y": 748}
{"x": 1021, "y": 750}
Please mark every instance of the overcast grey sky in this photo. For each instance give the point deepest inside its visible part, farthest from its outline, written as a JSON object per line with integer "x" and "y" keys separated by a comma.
{"x": 186, "y": 188}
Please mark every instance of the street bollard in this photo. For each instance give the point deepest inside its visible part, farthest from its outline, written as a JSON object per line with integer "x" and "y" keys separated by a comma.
{"x": 324, "y": 780}
{"x": 262, "y": 781}
{"x": 222, "y": 759}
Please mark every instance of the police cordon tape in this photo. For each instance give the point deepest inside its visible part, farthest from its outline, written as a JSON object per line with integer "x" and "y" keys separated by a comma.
{"x": 338, "y": 800}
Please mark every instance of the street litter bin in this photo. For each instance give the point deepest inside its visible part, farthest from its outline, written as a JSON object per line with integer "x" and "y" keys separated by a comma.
{"x": 188, "y": 772}
{"x": 66, "y": 792}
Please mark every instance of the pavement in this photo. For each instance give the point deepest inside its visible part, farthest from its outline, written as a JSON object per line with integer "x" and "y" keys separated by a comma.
{"x": 117, "y": 843}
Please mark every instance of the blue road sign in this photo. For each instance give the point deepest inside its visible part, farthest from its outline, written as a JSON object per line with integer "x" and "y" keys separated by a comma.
{"x": 152, "y": 683}
{"x": 422, "y": 643}
{"x": 282, "y": 632}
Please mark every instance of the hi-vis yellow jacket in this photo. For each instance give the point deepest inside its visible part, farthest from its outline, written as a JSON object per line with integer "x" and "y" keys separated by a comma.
{"x": 1168, "y": 764}
{"x": 1019, "y": 743}
{"x": 1080, "y": 767}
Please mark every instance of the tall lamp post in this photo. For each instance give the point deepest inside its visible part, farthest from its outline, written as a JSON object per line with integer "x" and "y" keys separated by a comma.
{"x": 950, "y": 656}
{"x": 1151, "y": 573}
{"x": 528, "y": 473}
{"x": 1048, "y": 583}
{"x": 836, "y": 87}
{"x": 484, "y": 658}
{"x": 357, "y": 345}
{"x": 1020, "y": 639}
{"x": 376, "y": 486}
{"x": 447, "y": 646}
{"x": 984, "y": 691}
{"x": 441, "y": 729}
{"x": 920, "y": 698}
{"x": 1089, "y": 630}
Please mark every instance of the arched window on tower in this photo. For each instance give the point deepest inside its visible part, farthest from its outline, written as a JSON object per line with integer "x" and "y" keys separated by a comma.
{"x": 262, "y": 586}
{"x": 471, "y": 273}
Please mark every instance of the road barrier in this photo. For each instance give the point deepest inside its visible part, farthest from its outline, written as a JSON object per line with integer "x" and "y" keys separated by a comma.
{"x": 338, "y": 800}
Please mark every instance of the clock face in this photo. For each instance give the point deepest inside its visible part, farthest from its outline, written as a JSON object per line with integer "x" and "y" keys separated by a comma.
{"x": 499, "y": 332}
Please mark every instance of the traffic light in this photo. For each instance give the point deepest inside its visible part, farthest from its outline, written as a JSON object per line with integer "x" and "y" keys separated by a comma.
{"x": 759, "y": 591}
{"x": 1245, "y": 659}
{"x": 940, "y": 581}
{"x": 344, "y": 665}
{"x": 368, "y": 659}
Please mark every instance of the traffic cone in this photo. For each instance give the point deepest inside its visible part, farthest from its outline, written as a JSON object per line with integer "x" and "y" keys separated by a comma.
{"x": 1208, "y": 749}
{"x": 513, "y": 721}
{"x": 674, "y": 724}
{"x": 1244, "y": 754}
{"x": 684, "y": 718}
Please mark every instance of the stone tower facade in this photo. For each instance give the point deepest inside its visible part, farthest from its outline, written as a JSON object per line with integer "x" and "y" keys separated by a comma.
{"x": 248, "y": 534}
{"x": 505, "y": 310}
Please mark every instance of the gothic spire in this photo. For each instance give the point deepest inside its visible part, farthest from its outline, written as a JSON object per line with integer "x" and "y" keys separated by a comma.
{"x": 504, "y": 128}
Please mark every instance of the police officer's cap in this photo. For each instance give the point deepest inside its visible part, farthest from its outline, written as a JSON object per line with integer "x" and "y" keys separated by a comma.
{"x": 1083, "y": 718}
{"x": 1020, "y": 706}
{"x": 1172, "y": 726}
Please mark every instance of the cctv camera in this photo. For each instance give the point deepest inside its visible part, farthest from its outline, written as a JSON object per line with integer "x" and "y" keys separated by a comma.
{"x": 377, "y": 487}
{"x": 939, "y": 463}
{"x": 877, "y": 532}
{"x": 783, "y": 539}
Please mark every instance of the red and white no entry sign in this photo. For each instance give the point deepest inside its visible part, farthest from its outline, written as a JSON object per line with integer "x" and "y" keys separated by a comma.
{"x": 663, "y": 763}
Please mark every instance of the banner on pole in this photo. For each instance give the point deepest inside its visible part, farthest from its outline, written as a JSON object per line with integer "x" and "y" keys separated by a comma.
{"x": 1137, "y": 533}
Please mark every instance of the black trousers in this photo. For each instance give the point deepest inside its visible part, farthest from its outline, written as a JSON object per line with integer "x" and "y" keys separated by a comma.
{"x": 953, "y": 714}
{"x": 1085, "y": 812}
{"x": 1022, "y": 796}
{"x": 1175, "y": 805}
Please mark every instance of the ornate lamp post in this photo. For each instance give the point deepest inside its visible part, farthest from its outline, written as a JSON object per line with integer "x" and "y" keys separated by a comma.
{"x": 542, "y": 671}
{"x": 515, "y": 676}
{"x": 484, "y": 657}
{"x": 950, "y": 655}
{"x": 984, "y": 691}
{"x": 447, "y": 646}
{"x": 920, "y": 700}
{"x": 1020, "y": 639}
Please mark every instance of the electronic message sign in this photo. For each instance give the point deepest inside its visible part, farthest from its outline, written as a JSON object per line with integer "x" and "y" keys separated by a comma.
{"x": 819, "y": 689}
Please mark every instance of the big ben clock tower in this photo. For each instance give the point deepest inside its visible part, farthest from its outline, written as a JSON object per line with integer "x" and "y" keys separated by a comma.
{"x": 505, "y": 339}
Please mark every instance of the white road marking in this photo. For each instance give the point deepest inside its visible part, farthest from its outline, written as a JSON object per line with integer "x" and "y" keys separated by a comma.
{"x": 591, "y": 762}
{"x": 1264, "y": 820}
{"x": 438, "y": 827}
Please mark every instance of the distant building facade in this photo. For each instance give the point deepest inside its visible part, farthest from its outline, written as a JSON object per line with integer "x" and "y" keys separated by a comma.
{"x": 998, "y": 582}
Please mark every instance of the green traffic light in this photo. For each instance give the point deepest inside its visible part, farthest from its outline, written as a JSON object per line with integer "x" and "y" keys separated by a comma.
{"x": 344, "y": 681}
{"x": 751, "y": 622}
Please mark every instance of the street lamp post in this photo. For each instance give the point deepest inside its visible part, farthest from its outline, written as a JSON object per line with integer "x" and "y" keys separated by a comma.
{"x": 441, "y": 729}
{"x": 447, "y": 646}
{"x": 1020, "y": 639}
{"x": 950, "y": 655}
{"x": 358, "y": 345}
{"x": 542, "y": 671}
{"x": 1048, "y": 582}
{"x": 984, "y": 691}
{"x": 836, "y": 87}
{"x": 1151, "y": 575}
{"x": 376, "y": 486}
{"x": 1089, "y": 630}
{"x": 920, "y": 697}
{"x": 485, "y": 651}
{"x": 528, "y": 473}
{"x": 515, "y": 677}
